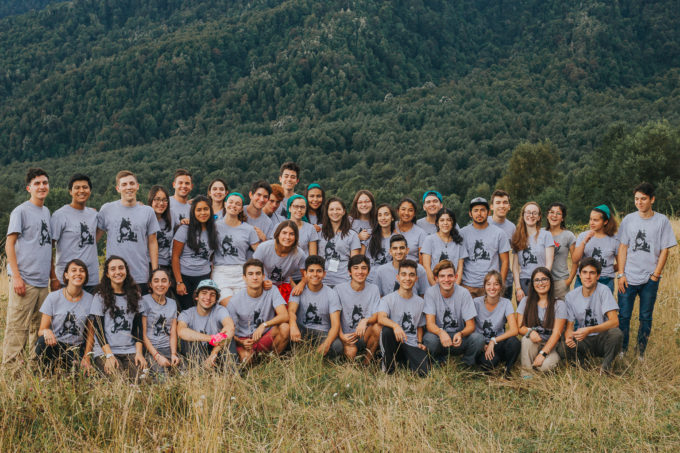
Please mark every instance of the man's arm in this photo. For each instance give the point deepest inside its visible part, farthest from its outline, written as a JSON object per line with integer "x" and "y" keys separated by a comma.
{"x": 611, "y": 322}
{"x": 187, "y": 334}
{"x": 505, "y": 260}
{"x": 10, "y": 250}
{"x": 153, "y": 250}
{"x": 663, "y": 256}
{"x": 100, "y": 233}
{"x": 621, "y": 262}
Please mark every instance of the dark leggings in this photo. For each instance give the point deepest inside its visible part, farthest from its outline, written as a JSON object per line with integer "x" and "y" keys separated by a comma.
{"x": 396, "y": 352}
{"x": 190, "y": 283}
{"x": 506, "y": 351}
{"x": 61, "y": 355}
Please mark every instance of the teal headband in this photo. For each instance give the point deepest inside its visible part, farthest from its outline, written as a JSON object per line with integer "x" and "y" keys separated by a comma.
{"x": 604, "y": 210}
{"x": 238, "y": 195}
{"x": 433, "y": 192}
{"x": 290, "y": 201}
{"x": 314, "y": 186}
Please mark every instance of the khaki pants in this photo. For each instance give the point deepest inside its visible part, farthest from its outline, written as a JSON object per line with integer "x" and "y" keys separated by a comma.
{"x": 475, "y": 292}
{"x": 560, "y": 289}
{"x": 529, "y": 352}
{"x": 23, "y": 320}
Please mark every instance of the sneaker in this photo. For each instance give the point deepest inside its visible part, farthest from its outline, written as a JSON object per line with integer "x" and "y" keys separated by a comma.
{"x": 621, "y": 354}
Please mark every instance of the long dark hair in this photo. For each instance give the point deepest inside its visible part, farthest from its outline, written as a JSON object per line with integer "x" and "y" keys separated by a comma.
{"x": 317, "y": 212}
{"x": 130, "y": 289}
{"x": 354, "y": 209}
{"x": 530, "y": 318}
{"x": 79, "y": 263}
{"x": 194, "y": 233}
{"x": 327, "y": 226}
{"x": 166, "y": 214}
{"x": 455, "y": 234}
{"x": 375, "y": 243}
{"x": 226, "y": 192}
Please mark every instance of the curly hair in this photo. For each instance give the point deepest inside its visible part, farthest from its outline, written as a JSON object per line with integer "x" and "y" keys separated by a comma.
{"x": 131, "y": 291}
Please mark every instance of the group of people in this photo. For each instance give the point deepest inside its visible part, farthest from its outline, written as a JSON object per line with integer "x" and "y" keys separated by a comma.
{"x": 214, "y": 281}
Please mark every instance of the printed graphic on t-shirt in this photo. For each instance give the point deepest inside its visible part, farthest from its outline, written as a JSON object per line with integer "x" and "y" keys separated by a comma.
{"x": 228, "y": 248}
{"x": 443, "y": 256}
{"x": 44, "y": 234}
{"x": 311, "y": 316}
{"x": 276, "y": 274}
{"x": 641, "y": 242}
{"x": 125, "y": 232}
{"x": 163, "y": 240}
{"x": 488, "y": 330}
{"x": 479, "y": 252}
{"x": 597, "y": 256}
{"x": 557, "y": 247}
{"x": 381, "y": 257}
{"x": 589, "y": 319}
{"x": 256, "y": 318}
{"x": 119, "y": 321}
{"x": 161, "y": 326}
{"x": 202, "y": 251}
{"x": 396, "y": 286}
{"x": 528, "y": 257}
{"x": 181, "y": 217}
{"x": 329, "y": 251}
{"x": 86, "y": 238}
{"x": 70, "y": 325}
{"x": 448, "y": 321}
{"x": 357, "y": 315}
{"x": 407, "y": 323}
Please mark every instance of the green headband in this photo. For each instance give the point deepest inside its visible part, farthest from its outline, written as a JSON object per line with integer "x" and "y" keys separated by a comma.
{"x": 314, "y": 186}
{"x": 238, "y": 195}
{"x": 604, "y": 210}
{"x": 290, "y": 201}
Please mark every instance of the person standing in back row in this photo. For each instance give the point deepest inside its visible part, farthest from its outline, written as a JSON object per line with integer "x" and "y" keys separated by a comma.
{"x": 646, "y": 237}
{"x": 289, "y": 176}
{"x": 130, "y": 230}
{"x": 487, "y": 247}
{"x": 29, "y": 264}
{"x": 432, "y": 203}
{"x": 179, "y": 202}
{"x": 74, "y": 227}
{"x": 500, "y": 205}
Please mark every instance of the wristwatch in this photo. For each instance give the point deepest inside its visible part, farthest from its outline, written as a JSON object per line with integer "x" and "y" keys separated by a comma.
{"x": 620, "y": 275}
{"x": 108, "y": 356}
{"x": 494, "y": 340}
{"x": 265, "y": 324}
{"x": 543, "y": 353}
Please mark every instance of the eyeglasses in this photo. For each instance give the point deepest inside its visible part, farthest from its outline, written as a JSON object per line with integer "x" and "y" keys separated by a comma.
{"x": 541, "y": 280}
{"x": 532, "y": 213}
{"x": 297, "y": 206}
{"x": 160, "y": 200}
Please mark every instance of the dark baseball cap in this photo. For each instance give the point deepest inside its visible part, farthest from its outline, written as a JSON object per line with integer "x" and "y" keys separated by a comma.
{"x": 478, "y": 201}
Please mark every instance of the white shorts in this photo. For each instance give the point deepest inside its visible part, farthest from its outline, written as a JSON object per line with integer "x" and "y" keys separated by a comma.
{"x": 229, "y": 279}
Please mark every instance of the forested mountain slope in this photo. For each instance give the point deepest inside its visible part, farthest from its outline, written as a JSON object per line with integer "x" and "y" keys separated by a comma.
{"x": 393, "y": 96}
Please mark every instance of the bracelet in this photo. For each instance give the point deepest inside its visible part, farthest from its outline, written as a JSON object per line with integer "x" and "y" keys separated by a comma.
{"x": 531, "y": 329}
{"x": 180, "y": 283}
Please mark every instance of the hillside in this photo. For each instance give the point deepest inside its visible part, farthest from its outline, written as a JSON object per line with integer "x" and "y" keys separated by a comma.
{"x": 392, "y": 96}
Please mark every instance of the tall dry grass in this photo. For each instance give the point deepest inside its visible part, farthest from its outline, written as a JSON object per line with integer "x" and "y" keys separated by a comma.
{"x": 301, "y": 403}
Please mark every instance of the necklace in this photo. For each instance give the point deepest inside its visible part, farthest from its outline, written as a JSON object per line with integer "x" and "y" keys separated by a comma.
{"x": 71, "y": 297}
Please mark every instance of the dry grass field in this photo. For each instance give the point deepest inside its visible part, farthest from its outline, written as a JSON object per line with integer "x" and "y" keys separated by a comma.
{"x": 301, "y": 403}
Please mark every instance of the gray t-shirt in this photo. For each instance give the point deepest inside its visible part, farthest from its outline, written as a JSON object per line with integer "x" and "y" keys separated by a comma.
{"x": 68, "y": 318}
{"x": 534, "y": 255}
{"x": 248, "y": 312}
{"x": 563, "y": 242}
{"x": 179, "y": 211}
{"x": 356, "y": 305}
{"x": 427, "y": 227}
{"x": 604, "y": 250}
{"x": 440, "y": 250}
{"x": 315, "y": 308}
{"x": 158, "y": 320}
{"x": 117, "y": 326}
{"x": 509, "y": 229}
{"x": 483, "y": 248}
{"x": 127, "y": 231}
{"x": 414, "y": 240}
{"x": 194, "y": 262}
{"x": 408, "y": 313}
{"x": 589, "y": 311}
{"x": 164, "y": 238}
{"x": 234, "y": 243}
{"x": 263, "y": 222}
{"x": 307, "y": 234}
{"x": 338, "y": 249}
{"x": 34, "y": 243}
{"x": 451, "y": 313}
{"x": 645, "y": 238}
{"x": 544, "y": 332}
{"x": 358, "y": 225}
{"x": 277, "y": 268}
{"x": 209, "y": 324}
{"x": 75, "y": 231}
{"x": 382, "y": 257}
{"x": 386, "y": 279}
{"x": 492, "y": 323}
{"x": 313, "y": 219}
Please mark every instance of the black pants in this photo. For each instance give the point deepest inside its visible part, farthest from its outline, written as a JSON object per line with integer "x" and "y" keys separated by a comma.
{"x": 316, "y": 337}
{"x": 126, "y": 365}
{"x": 605, "y": 344}
{"x": 506, "y": 351}
{"x": 190, "y": 283}
{"x": 395, "y": 352}
{"x": 61, "y": 355}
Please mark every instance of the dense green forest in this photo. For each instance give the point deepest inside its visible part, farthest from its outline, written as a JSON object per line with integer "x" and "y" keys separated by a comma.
{"x": 392, "y": 96}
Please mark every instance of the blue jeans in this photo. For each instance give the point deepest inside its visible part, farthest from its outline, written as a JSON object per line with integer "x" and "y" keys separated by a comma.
{"x": 647, "y": 292}
{"x": 604, "y": 280}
